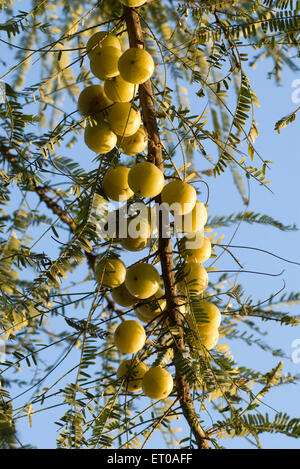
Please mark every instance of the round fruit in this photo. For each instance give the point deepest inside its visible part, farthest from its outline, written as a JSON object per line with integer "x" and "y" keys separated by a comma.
{"x": 134, "y": 244}
{"x": 179, "y": 196}
{"x": 157, "y": 383}
{"x": 154, "y": 307}
{"x": 192, "y": 221}
{"x": 142, "y": 280}
{"x": 92, "y": 100}
{"x": 115, "y": 184}
{"x": 123, "y": 119}
{"x": 133, "y": 3}
{"x": 136, "y": 65}
{"x": 100, "y": 138}
{"x": 207, "y": 314}
{"x": 119, "y": 90}
{"x": 146, "y": 180}
{"x": 99, "y": 40}
{"x": 130, "y": 336}
{"x": 141, "y": 316}
{"x": 104, "y": 62}
{"x": 200, "y": 254}
{"x": 138, "y": 231}
{"x": 134, "y": 144}
{"x": 209, "y": 340}
{"x": 122, "y": 297}
{"x": 133, "y": 372}
{"x": 110, "y": 272}
{"x": 195, "y": 278}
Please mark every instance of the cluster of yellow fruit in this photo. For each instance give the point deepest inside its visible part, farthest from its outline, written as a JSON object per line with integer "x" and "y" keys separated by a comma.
{"x": 114, "y": 121}
{"x": 129, "y": 287}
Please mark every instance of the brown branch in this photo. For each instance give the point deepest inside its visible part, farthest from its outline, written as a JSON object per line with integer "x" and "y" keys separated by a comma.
{"x": 155, "y": 156}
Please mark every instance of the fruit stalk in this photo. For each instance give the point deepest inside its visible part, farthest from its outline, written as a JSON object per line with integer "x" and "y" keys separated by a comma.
{"x": 155, "y": 156}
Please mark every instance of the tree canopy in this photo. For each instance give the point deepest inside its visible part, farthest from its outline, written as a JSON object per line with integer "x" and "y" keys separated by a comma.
{"x": 58, "y": 310}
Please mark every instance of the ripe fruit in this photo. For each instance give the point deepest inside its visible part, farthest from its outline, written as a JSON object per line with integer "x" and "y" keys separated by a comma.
{"x": 110, "y": 272}
{"x": 99, "y": 40}
{"x": 130, "y": 336}
{"x": 138, "y": 231}
{"x": 134, "y": 244}
{"x": 136, "y": 65}
{"x": 134, "y": 144}
{"x": 115, "y": 184}
{"x": 119, "y": 90}
{"x": 104, "y": 62}
{"x": 195, "y": 278}
{"x": 133, "y": 3}
{"x": 99, "y": 137}
{"x": 153, "y": 308}
{"x": 193, "y": 221}
{"x": 207, "y": 313}
{"x": 123, "y": 119}
{"x": 133, "y": 371}
{"x": 93, "y": 100}
{"x": 146, "y": 180}
{"x": 142, "y": 280}
{"x": 208, "y": 340}
{"x": 122, "y": 297}
{"x": 141, "y": 316}
{"x": 199, "y": 254}
{"x": 179, "y": 196}
{"x": 157, "y": 383}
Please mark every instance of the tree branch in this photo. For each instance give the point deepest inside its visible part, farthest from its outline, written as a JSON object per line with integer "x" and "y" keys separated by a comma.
{"x": 155, "y": 156}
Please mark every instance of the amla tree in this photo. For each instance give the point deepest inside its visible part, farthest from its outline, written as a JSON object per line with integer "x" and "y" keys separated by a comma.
{"x": 103, "y": 82}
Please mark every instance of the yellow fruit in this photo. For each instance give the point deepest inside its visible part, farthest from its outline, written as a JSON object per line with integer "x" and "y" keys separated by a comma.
{"x": 208, "y": 340}
{"x": 153, "y": 308}
{"x": 92, "y": 100}
{"x": 157, "y": 383}
{"x": 110, "y": 272}
{"x": 129, "y": 337}
{"x": 134, "y": 144}
{"x": 123, "y": 119}
{"x": 119, "y": 90}
{"x": 179, "y": 197}
{"x": 141, "y": 316}
{"x": 99, "y": 137}
{"x": 134, "y": 244}
{"x": 142, "y": 280}
{"x": 104, "y": 62}
{"x": 207, "y": 314}
{"x": 122, "y": 297}
{"x": 192, "y": 221}
{"x": 115, "y": 184}
{"x": 199, "y": 254}
{"x": 138, "y": 232}
{"x": 133, "y": 371}
{"x": 99, "y": 40}
{"x": 136, "y": 65}
{"x": 146, "y": 180}
{"x": 133, "y": 3}
{"x": 195, "y": 279}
